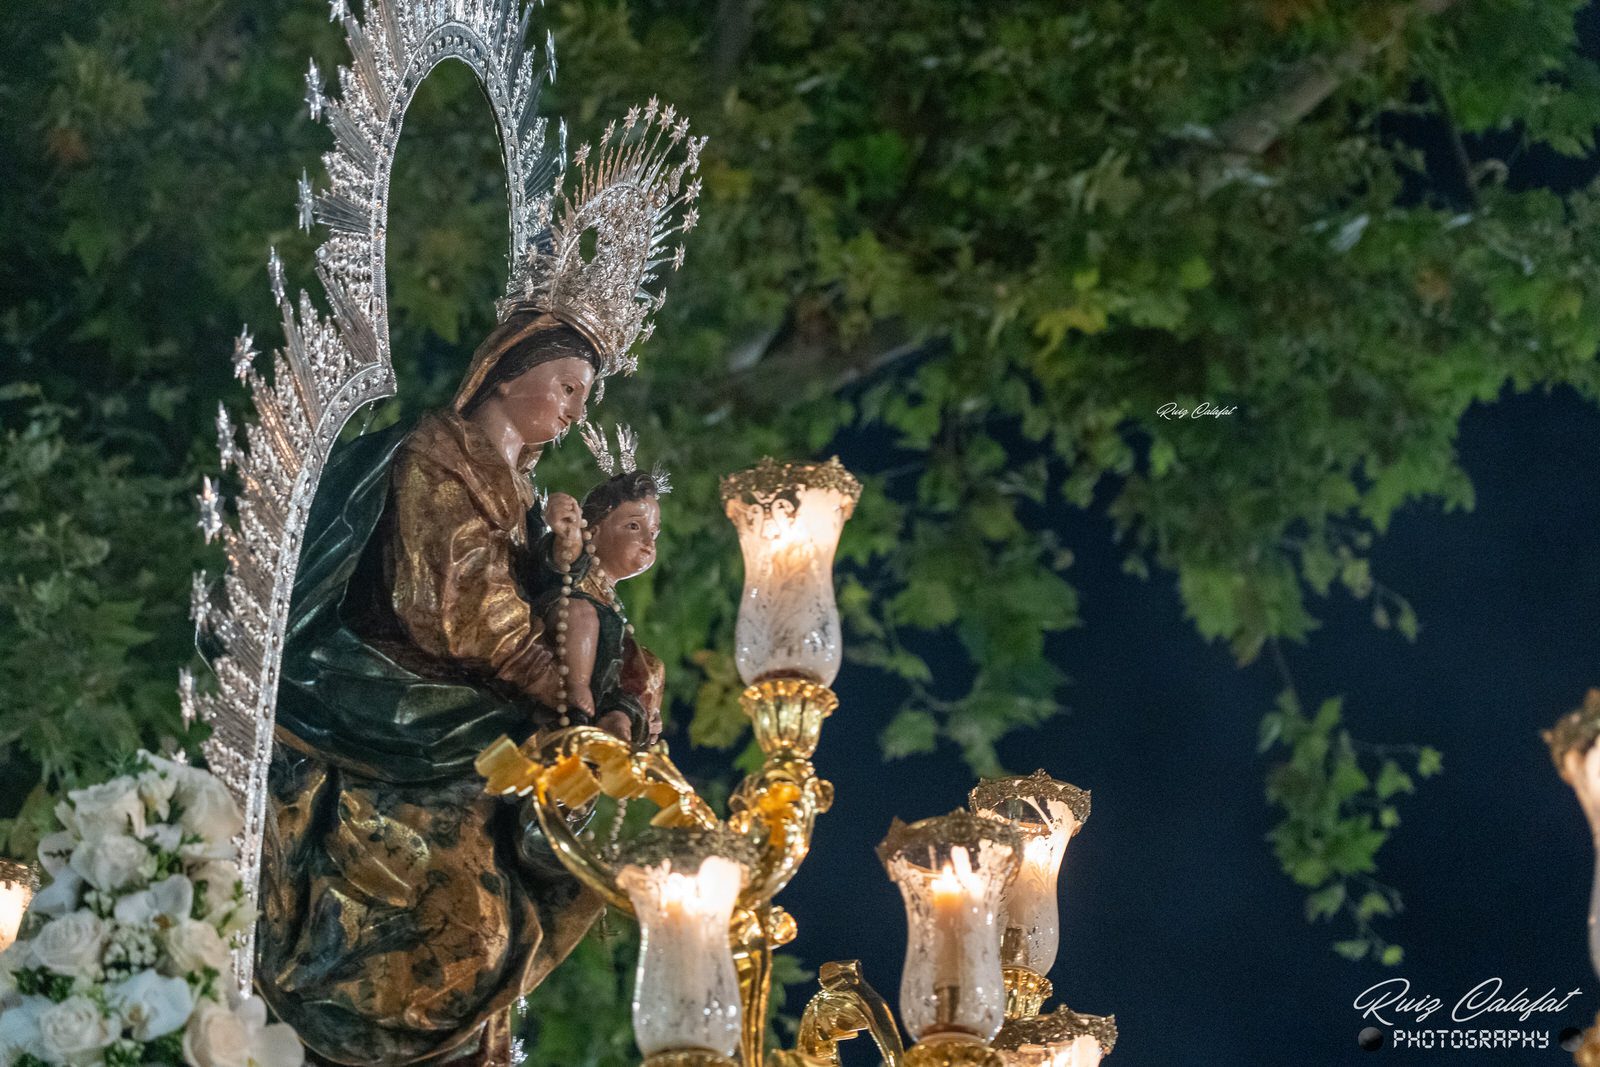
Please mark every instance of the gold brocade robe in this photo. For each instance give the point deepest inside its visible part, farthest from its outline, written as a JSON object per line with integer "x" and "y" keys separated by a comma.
{"x": 403, "y": 909}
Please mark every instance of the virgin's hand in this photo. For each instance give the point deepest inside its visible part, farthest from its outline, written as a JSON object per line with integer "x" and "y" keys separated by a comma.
{"x": 565, "y": 519}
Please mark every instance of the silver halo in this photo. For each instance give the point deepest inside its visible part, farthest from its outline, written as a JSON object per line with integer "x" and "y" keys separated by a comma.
{"x": 331, "y": 366}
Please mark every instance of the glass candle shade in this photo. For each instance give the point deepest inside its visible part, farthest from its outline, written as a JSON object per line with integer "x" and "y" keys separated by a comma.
{"x": 789, "y": 517}
{"x": 683, "y": 884}
{"x": 16, "y": 892}
{"x": 1577, "y": 758}
{"x": 951, "y": 871}
{"x": 1062, "y": 1038}
{"x": 1045, "y": 813}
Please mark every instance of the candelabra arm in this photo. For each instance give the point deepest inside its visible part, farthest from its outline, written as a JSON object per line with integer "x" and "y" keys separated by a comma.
{"x": 752, "y": 962}
{"x": 756, "y": 932}
{"x": 846, "y": 1006}
{"x": 566, "y": 769}
{"x": 782, "y": 799}
{"x": 580, "y": 862}
{"x": 785, "y": 796}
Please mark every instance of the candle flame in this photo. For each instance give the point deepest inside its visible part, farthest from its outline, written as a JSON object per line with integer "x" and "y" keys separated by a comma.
{"x": 956, "y": 879}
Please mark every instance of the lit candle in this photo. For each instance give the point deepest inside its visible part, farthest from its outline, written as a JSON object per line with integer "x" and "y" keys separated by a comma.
{"x": 956, "y": 894}
{"x": 789, "y": 517}
{"x": 16, "y": 891}
{"x": 683, "y": 884}
{"x": 950, "y": 871}
{"x": 1046, "y": 813}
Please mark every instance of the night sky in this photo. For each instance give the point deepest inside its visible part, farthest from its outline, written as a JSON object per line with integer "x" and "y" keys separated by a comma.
{"x": 1176, "y": 916}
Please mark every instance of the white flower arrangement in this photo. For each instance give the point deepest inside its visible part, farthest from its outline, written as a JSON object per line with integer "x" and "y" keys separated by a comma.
{"x": 122, "y": 957}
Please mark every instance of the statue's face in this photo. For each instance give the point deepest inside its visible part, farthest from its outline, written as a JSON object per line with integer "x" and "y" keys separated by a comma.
{"x": 545, "y": 400}
{"x": 625, "y": 540}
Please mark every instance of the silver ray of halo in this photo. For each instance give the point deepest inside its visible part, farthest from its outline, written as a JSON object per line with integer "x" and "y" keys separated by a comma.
{"x": 332, "y": 365}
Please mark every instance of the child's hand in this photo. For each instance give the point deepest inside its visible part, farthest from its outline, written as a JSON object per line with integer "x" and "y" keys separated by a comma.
{"x": 616, "y": 724}
{"x": 565, "y": 518}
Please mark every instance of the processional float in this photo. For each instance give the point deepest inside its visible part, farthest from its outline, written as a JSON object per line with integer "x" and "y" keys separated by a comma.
{"x": 980, "y": 886}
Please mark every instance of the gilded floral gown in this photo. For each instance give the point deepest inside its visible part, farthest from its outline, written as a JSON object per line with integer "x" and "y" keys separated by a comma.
{"x": 403, "y": 909}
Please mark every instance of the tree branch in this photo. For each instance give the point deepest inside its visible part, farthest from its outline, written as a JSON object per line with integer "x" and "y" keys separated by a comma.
{"x": 798, "y": 364}
{"x": 1305, "y": 86}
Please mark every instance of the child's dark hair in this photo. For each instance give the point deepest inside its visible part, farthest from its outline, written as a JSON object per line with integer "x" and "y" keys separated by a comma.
{"x": 619, "y": 489}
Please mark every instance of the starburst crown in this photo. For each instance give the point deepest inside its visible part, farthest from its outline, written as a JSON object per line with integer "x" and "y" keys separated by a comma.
{"x": 625, "y": 460}
{"x": 637, "y": 202}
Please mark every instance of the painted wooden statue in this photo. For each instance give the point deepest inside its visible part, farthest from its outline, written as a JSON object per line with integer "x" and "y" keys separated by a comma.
{"x": 435, "y": 602}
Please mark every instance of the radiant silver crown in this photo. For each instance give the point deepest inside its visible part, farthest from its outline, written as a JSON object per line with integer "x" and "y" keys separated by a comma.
{"x": 637, "y": 202}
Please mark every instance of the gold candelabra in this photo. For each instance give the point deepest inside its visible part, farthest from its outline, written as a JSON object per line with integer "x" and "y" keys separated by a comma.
{"x": 980, "y": 887}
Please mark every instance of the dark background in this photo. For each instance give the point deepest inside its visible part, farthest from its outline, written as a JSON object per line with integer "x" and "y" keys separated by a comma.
{"x": 1176, "y": 917}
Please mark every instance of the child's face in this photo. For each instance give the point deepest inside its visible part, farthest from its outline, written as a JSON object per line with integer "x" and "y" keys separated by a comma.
{"x": 625, "y": 540}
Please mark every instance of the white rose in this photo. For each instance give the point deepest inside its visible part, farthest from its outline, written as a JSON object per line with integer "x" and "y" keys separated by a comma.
{"x": 60, "y": 896}
{"x": 216, "y": 1038}
{"x": 220, "y": 878}
{"x": 192, "y": 946}
{"x": 163, "y": 904}
{"x": 110, "y": 862}
{"x": 113, "y": 807}
{"x": 207, "y": 851}
{"x": 270, "y": 1046}
{"x": 19, "y": 957}
{"x": 234, "y": 917}
{"x": 19, "y": 1029}
{"x": 152, "y": 1006}
{"x": 157, "y": 786}
{"x": 75, "y": 1031}
{"x": 71, "y": 945}
{"x": 169, "y": 767}
{"x": 209, "y": 810}
{"x": 65, "y": 817}
{"x": 223, "y": 909}
{"x": 166, "y": 836}
{"x": 10, "y": 964}
{"x": 55, "y": 850}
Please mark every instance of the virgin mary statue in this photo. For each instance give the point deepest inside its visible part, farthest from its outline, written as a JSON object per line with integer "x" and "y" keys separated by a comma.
{"x": 403, "y": 910}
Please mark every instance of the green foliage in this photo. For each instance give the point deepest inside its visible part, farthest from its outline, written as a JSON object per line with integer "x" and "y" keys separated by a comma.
{"x": 579, "y": 1016}
{"x": 77, "y": 692}
{"x": 1337, "y": 800}
{"x": 986, "y": 243}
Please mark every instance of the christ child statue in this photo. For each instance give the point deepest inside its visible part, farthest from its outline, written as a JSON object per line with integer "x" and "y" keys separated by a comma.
{"x": 606, "y": 678}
